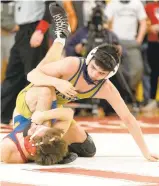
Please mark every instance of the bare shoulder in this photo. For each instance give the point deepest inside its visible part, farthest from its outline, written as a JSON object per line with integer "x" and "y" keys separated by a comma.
{"x": 9, "y": 152}
{"x": 107, "y": 90}
{"x": 65, "y": 66}
{"x": 109, "y": 86}
{"x": 6, "y": 142}
{"x": 7, "y": 147}
{"x": 70, "y": 64}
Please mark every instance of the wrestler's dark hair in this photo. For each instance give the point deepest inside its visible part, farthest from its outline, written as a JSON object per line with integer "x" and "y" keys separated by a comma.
{"x": 107, "y": 56}
{"x": 50, "y": 152}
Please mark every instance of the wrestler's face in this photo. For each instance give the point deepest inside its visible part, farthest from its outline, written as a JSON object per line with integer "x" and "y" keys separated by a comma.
{"x": 95, "y": 72}
{"x": 38, "y": 129}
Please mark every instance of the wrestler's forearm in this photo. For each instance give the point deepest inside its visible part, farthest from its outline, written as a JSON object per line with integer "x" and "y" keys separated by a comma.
{"x": 135, "y": 130}
{"x": 64, "y": 117}
{"x": 40, "y": 79}
{"x": 61, "y": 114}
{"x": 116, "y": 101}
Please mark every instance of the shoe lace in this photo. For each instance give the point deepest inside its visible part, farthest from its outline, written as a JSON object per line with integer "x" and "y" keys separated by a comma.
{"x": 60, "y": 24}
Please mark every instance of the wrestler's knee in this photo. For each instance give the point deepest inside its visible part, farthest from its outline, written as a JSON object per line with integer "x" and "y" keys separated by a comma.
{"x": 85, "y": 149}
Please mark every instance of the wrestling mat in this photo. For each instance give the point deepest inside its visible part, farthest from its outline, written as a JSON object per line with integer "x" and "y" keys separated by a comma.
{"x": 118, "y": 161}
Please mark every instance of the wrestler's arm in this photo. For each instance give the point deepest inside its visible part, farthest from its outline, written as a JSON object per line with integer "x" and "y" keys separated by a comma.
{"x": 49, "y": 74}
{"x": 64, "y": 117}
{"x": 61, "y": 114}
{"x": 115, "y": 100}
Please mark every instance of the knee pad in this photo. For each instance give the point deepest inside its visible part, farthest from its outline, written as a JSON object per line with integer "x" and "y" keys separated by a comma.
{"x": 85, "y": 149}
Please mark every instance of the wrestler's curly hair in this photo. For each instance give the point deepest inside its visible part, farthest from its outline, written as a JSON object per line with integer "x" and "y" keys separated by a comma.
{"x": 107, "y": 56}
{"x": 50, "y": 152}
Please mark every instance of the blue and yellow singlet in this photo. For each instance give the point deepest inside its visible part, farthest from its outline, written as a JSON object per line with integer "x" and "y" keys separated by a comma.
{"x": 20, "y": 124}
{"x": 23, "y": 109}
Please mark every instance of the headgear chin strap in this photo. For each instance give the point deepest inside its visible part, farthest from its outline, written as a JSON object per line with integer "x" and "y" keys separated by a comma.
{"x": 91, "y": 55}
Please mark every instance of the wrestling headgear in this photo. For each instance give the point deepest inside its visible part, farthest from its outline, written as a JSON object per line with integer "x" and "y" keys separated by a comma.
{"x": 29, "y": 146}
{"x": 93, "y": 53}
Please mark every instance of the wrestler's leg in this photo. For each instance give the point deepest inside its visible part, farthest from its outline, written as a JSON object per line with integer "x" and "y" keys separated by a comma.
{"x": 45, "y": 95}
{"x": 54, "y": 53}
{"x": 61, "y": 32}
{"x": 80, "y": 141}
{"x": 40, "y": 98}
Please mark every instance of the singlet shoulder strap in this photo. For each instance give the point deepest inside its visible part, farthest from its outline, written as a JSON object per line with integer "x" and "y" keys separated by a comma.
{"x": 98, "y": 88}
{"x": 16, "y": 142}
{"x": 75, "y": 77}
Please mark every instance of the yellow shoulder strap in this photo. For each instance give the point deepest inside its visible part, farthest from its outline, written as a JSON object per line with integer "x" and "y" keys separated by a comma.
{"x": 75, "y": 77}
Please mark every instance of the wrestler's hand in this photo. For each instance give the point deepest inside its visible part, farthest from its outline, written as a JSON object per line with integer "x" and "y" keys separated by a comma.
{"x": 151, "y": 157}
{"x": 37, "y": 117}
{"x": 36, "y": 39}
{"x": 66, "y": 88}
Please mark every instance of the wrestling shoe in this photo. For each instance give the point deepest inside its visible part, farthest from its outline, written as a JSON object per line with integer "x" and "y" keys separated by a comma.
{"x": 70, "y": 157}
{"x": 61, "y": 27}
